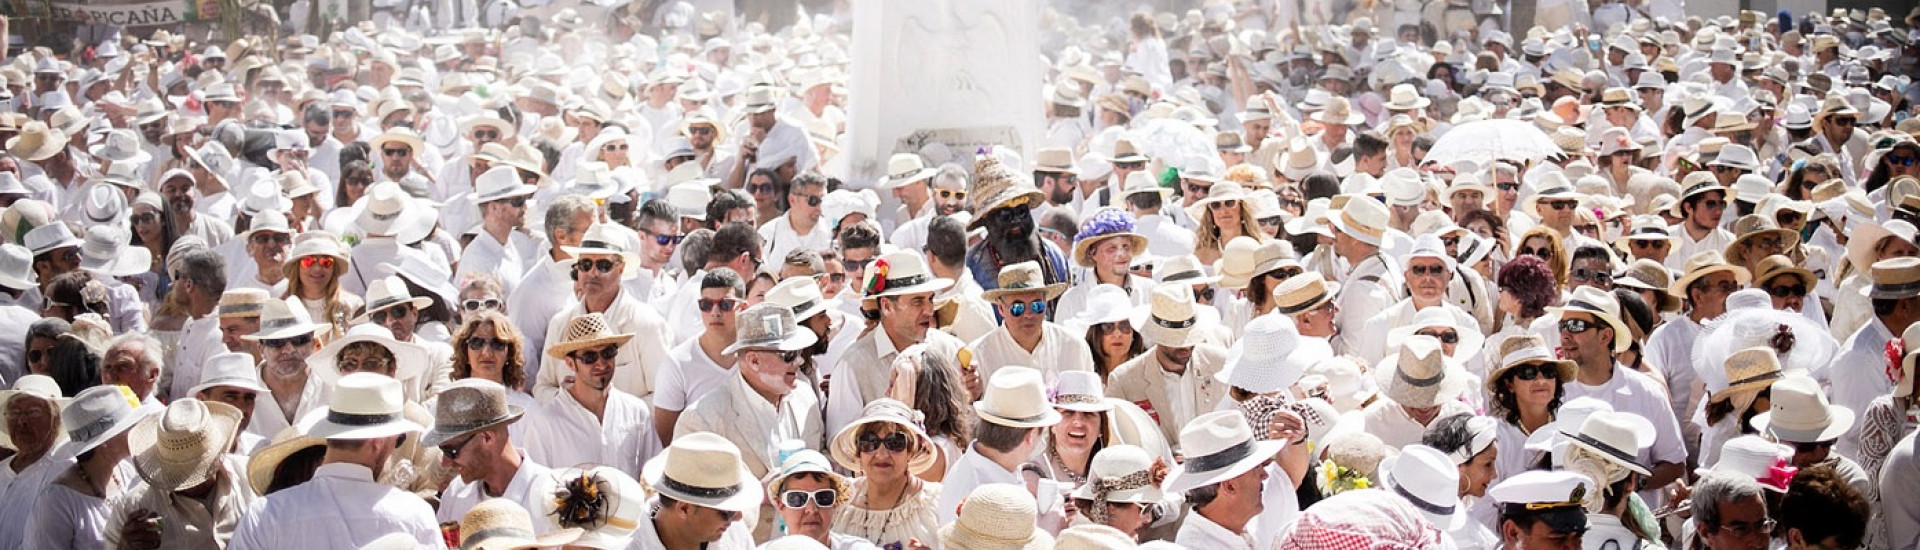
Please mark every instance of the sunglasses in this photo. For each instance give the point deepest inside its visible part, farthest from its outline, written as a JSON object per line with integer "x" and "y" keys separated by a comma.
{"x": 322, "y": 261}
{"x": 1901, "y": 160}
{"x": 486, "y": 134}
{"x": 1576, "y": 326}
{"x": 1560, "y": 205}
{"x": 1450, "y": 242}
{"x": 271, "y": 238}
{"x": 592, "y": 357}
{"x": 1508, "y": 187}
{"x": 476, "y": 344}
{"x": 1533, "y": 371}
{"x": 1444, "y": 336}
{"x": 1590, "y": 276}
{"x": 516, "y": 202}
{"x": 950, "y": 194}
{"x": 1786, "y": 291}
{"x": 34, "y": 356}
{"x": 297, "y": 341}
{"x": 452, "y": 451}
{"x": 1199, "y": 189}
{"x": 1205, "y": 294}
{"x": 477, "y": 305}
{"x": 603, "y": 265}
{"x": 342, "y": 115}
{"x": 724, "y": 304}
{"x": 1270, "y": 222}
{"x": 664, "y": 240}
{"x": 1543, "y": 253}
{"x": 1222, "y": 206}
{"x": 700, "y": 130}
{"x": 824, "y": 498}
{"x": 1129, "y": 165}
{"x": 1650, "y": 245}
{"x": 788, "y": 356}
{"x": 1845, "y": 121}
{"x": 812, "y": 200}
{"x": 1038, "y": 307}
{"x": 613, "y": 147}
{"x": 1427, "y": 270}
{"x": 1812, "y": 446}
{"x": 762, "y": 188}
{"x": 401, "y": 152}
{"x": 394, "y": 313}
{"x": 145, "y": 217}
{"x": 895, "y": 442}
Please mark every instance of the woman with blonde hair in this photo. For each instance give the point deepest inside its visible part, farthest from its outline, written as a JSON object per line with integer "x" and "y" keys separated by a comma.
{"x": 1544, "y": 243}
{"x": 1225, "y": 213}
{"x": 313, "y": 271}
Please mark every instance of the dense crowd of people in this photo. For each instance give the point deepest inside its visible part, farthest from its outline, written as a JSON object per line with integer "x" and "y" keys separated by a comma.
{"x": 1277, "y": 276}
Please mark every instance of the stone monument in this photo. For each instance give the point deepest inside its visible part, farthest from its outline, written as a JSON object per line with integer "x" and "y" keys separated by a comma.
{"x": 962, "y": 74}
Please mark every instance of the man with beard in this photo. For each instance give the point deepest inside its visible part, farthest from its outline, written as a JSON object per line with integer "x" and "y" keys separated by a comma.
{"x": 765, "y": 401}
{"x": 317, "y": 122}
{"x": 1428, "y": 271}
{"x": 177, "y": 187}
{"x": 834, "y": 331}
{"x": 589, "y": 421}
{"x": 1053, "y": 174}
{"x": 601, "y": 261}
{"x": 1833, "y": 126}
{"x": 1106, "y": 245}
{"x": 1174, "y": 378}
{"x": 703, "y": 133}
{"x": 907, "y": 179}
{"x": 266, "y": 243}
{"x": 283, "y": 366}
{"x": 949, "y": 197}
{"x": 902, "y": 291}
{"x": 1006, "y": 211}
{"x": 1702, "y": 204}
{"x": 800, "y": 227}
{"x": 500, "y": 248}
{"x": 151, "y": 118}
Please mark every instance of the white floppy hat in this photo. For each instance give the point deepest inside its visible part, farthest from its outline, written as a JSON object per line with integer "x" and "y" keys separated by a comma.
{"x": 1801, "y": 414}
{"x": 107, "y": 251}
{"x": 1271, "y": 356}
{"x": 364, "y": 406}
{"x": 409, "y": 360}
{"x": 1219, "y": 446}
{"x": 1016, "y": 397}
{"x": 705, "y": 470}
{"x": 98, "y": 414}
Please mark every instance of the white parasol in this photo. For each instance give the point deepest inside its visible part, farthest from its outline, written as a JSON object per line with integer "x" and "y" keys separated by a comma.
{"x": 1486, "y": 140}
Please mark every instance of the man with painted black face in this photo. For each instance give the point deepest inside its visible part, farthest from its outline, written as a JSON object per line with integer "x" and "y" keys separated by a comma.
{"x": 1006, "y": 201}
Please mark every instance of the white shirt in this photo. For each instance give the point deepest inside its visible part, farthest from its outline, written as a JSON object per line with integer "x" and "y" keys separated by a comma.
{"x": 462, "y": 495}
{"x": 1059, "y": 351}
{"x": 1390, "y": 421}
{"x": 1859, "y": 376}
{"x": 1633, "y": 392}
{"x": 1685, "y": 247}
{"x": 1901, "y": 476}
{"x": 969, "y": 473}
{"x": 1200, "y": 532}
{"x": 688, "y": 376}
{"x": 639, "y": 359}
{"x": 1670, "y": 352}
{"x": 778, "y": 237}
{"x": 866, "y": 369}
{"x": 537, "y": 299}
{"x": 15, "y": 319}
{"x": 1368, "y": 289}
{"x": 646, "y": 537}
{"x": 23, "y": 496}
{"x": 1165, "y": 239}
{"x": 68, "y": 519}
{"x": 562, "y": 431}
{"x": 506, "y": 261}
{"x": 365, "y": 259}
{"x": 341, "y": 507}
{"x": 1370, "y": 342}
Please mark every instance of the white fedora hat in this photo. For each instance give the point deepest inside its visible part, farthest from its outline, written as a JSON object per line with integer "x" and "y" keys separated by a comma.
{"x": 1023, "y": 277}
{"x": 102, "y": 203}
{"x": 801, "y": 295}
{"x": 16, "y": 267}
{"x": 1169, "y": 317}
{"x": 1219, "y": 446}
{"x": 381, "y": 209}
{"x": 283, "y": 319}
{"x": 50, "y": 236}
{"x": 500, "y": 183}
{"x": 1119, "y": 473}
{"x": 770, "y": 327}
{"x": 704, "y": 469}
{"x": 1753, "y": 457}
{"x": 182, "y": 446}
{"x": 1105, "y": 304}
{"x": 1271, "y": 356}
{"x": 1618, "y": 436}
{"x": 905, "y": 168}
{"x": 121, "y": 146}
{"x": 98, "y": 414}
{"x": 1080, "y": 391}
{"x": 603, "y": 238}
{"x": 364, "y": 406}
{"x": 1601, "y": 304}
{"x": 387, "y": 292}
{"x": 1469, "y": 342}
{"x": 1801, "y": 413}
{"x": 1016, "y": 397}
{"x": 902, "y": 272}
{"x": 1362, "y": 219}
{"x": 107, "y": 251}
{"x": 1426, "y": 478}
{"x": 228, "y": 369}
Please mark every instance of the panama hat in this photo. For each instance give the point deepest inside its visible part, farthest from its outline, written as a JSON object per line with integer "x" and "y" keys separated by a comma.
{"x": 705, "y": 470}
{"x": 1746, "y": 373}
{"x": 1140, "y": 181}
{"x": 1404, "y": 97}
{"x": 1901, "y": 388}
{"x": 1863, "y": 241}
{"x": 1429, "y": 480}
{"x": 469, "y": 406}
{"x": 1552, "y": 186}
{"x": 1105, "y": 304}
{"x": 318, "y": 243}
{"x": 1016, "y": 398}
{"x": 226, "y": 369}
{"x": 1895, "y": 278}
{"x": 1751, "y": 457}
{"x": 107, "y": 251}
{"x": 1470, "y": 343}
{"x": 904, "y": 272}
{"x": 1105, "y": 223}
{"x": 583, "y": 332}
{"x": 386, "y": 292}
{"x": 1219, "y": 446}
{"x": 181, "y": 447}
{"x": 1800, "y": 412}
{"x": 1272, "y": 356}
{"x": 1420, "y": 374}
{"x": 844, "y": 446}
{"x": 37, "y": 142}
{"x": 1603, "y": 306}
{"x": 1168, "y": 319}
{"x": 384, "y": 210}
{"x": 1299, "y": 160}
{"x": 486, "y": 118}
{"x": 1304, "y": 292}
{"x": 500, "y": 183}
{"x": 1528, "y": 349}
{"x": 1616, "y": 436}
{"x": 996, "y": 516}
{"x": 1755, "y": 226}
{"x": 283, "y": 319}
{"x": 363, "y": 406}
{"x": 801, "y": 295}
{"x": 1080, "y": 391}
{"x": 1124, "y": 150}
{"x": 16, "y": 268}
{"x": 1052, "y": 159}
{"x": 121, "y": 146}
{"x": 1365, "y": 220}
{"x": 1184, "y": 268}
{"x": 1337, "y": 111}
{"x": 1023, "y": 277}
{"x": 99, "y": 413}
{"x": 1706, "y": 263}
{"x": 1119, "y": 473}
{"x": 605, "y": 502}
{"x": 410, "y": 360}
{"x": 401, "y": 134}
{"x": 1775, "y": 266}
{"x": 766, "y": 326}
{"x": 502, "y": 524}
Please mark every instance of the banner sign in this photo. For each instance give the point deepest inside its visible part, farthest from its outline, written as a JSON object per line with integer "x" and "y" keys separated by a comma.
{"x": 128, "y": 15}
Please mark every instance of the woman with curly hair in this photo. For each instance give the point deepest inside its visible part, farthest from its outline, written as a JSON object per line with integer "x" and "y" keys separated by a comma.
{"x": 1225, "y": 213}
{"x": 927, "y": 378}
{"x": 1526, "y": 290}
{"x": 1525, "y": 392}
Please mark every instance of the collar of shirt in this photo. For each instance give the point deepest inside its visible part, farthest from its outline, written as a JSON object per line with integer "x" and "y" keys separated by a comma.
{"x": 1212, "y": 534}
{"x": 344, "y": 470}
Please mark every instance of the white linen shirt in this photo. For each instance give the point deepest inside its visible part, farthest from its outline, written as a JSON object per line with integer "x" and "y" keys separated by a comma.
{"x": 341, "y": 507}
{"x": 462, "y": 495}
{"x": 562, "y": 431}
{"x": 506, "y": 261}
{"x": 1633, "y": 392}
{"x": 967, "y": 474}
{"x": 1200, "y": 532}
{"x": 1059, "y": 351}
{"x": 1859, "y": 376}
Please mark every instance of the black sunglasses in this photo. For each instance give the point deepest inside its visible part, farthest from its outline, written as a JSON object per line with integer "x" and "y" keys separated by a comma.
{"x": 395, "y": 312}
{"x": 396, "y": 152}
{"x": 476, "y": 344}
{"x": 895, "y": 442}
{"x": 1783, "y": 291}
{"x": 1533, "y": 371}
{"x": 486, "y": 134}
{"x": 590, "y": 357}
{"x": 1427, "y": 270}
{"x": 664, "y": 240}
{"x": 297, "y": 341}
{"x": 1445, "y": 337}
{"x": 813, "y": 200}
{"x": 725, "y": 304}
{"x": 787, "y": 356}
{"x": 603, "y": 265}
{"x": 452, "y": 451}
{"x": 1575, "y": 326}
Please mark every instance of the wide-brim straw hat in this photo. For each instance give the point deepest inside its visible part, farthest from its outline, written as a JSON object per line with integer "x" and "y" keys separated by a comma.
{"x": 1776, "y": 266}
{"x": 1222, "y": 192}
{"x": 1244, "y": 258}
{"x": 883, "y": 410}
{"x": 583, "y": 332}
{"x": 1522, "y": 350}
{"x": 399, "y": 134}
{"x": 1107, "y": 223}
{"x": 1707, "y": 263}
{"x": 502, "y": 524}
{"x": 996, "y": 517}
{"x": 181, "y": 447}
{"x": 410, "y": 360}
{"x": 262, "y": 464}
{"x": 997, "y": 187}
{"x": 37, "y": 142}
{"x": 1747, "y": 372}
{"x": 318, "y": 243}
{"x": 705, "y": 470}
{"x": 1272, "y": 357}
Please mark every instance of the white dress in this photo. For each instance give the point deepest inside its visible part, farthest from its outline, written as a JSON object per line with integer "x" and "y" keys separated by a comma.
{"x": 911, "y": 519}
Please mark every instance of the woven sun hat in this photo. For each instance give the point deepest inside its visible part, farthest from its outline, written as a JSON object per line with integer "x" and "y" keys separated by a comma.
{"x": 1776, "y": 266}
{"x": 583, "y": 332}
{"x": 363, "y": 406}
{"x": 1616, "y": 435}
{"x": 1304, "y": 292}
{"x": 1272, "y": 356}
{"x": 1016, "y": 397}
{"x": 1524, "y": 350}
{"x": 1169, "y": 317}
{"x": 1427, "y": 479}
{"x": 1185, "y": 269}
{"x": 705, "y": 470}
{"x": 1602, "y": 305}
{"x": 1080, "y": 391}
{"x": 1365, "y": 220}
{"x": 844, "y": 446}
{"x": 37, "y": 142}
{"x": 1421, "y": 375}
{"x": 266, "y": 461}
{"x": 402, "y": 135}
{"x": 1244, "y": 258}
{"x": 1092, "y": 536}
{"x": 1021, "y": 278}
{"x": 1105, "y": 223}
{"x": 1755, "y": 226}
{"x": 470, "y": 405}
{"x": 1800, "y": 413}
{"x": 1470, "y": 343}
{"x": 1338, "y": 111}
{"x": 766, "y": 326}
{"x": 1746, "y": 372}
{"x": 998, "y": 187}
{"x": 501, "y": 524}
{"x": 606, "y": 503}
{"x": 903, "y": 272}
{"x": 996, "y": 516}
{"x": 181, "y": 447}
{"x": 1219, "y": 446}
{"x": 318, "y": 243}
{"x": 1864, "y": 239}
{"x": 283, "y": 319}
{"x": 1895, "y": 278}
{"x": 97, "y": 414}
{"x": 1755, "y": 458}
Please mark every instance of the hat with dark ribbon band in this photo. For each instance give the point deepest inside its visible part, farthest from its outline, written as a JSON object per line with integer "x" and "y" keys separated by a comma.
{"x": 1226, "y": 457}
{"x": 1303, "y": 306}
{"x": 352, "y": 419}
{"x": 1421, "y": 503}
{"x": 1603, "y": 447}
{"x": 1420, "y": 382}
{"x": 702, "y": 492}
{"x": 1770, "y": 375}
{"x": 1176, "y": 325}
{"x": 1182, "y": 276}
{"x": 802, "y": 307}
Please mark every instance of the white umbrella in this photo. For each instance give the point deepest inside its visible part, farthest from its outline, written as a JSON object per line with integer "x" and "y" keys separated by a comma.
{"x": 1176, "y": 142}
{"x": 1483, "y": 141}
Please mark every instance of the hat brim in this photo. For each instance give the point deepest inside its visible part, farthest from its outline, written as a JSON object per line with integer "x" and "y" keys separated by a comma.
{"x": 409, "y": 359}
{"x": 1052, "y": 291}
{"x": 173, "y": 476}
{"x": 844, "y": 453}
{"x": 132, "y": 260}
{"x": 1047, "y": 418}
{"x": 1083, "y": 248}
{"x": 435, "y": 435}
{"x": 74, "y": 447}
{"x": 417, "y": 301}
{"x": 1362, "y": 236}
{"x": 559, "y": 350}
{"x": 262, "y": 464}
{"x": 798, "y": 341}
{"x": 1446, "y": 522}
{"x": 1621, "y": 334}
{"x": 1453, "y": 382}
{"x": 1565, "y": 369}
{"x": 1841, "y": 419}
{"x": 284, "y": 333}
{"x": 920, "y": 175}
{"x": 1679, "y": 287}
{"x": 553, "y": 539}
{"x": 327, "y": 429}
{"x": 1179, "y": 481}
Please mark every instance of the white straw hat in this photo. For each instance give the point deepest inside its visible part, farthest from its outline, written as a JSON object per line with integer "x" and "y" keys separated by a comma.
{"x": 1016, "y": 397}
{"x": 363, "y": 406}
{"x": 1801, "y": 414}
{"x": 1219, "y": 446}
{"x": 703, "y": 469}
{"x": 1426, "y": 478}
{"x": 1271, "y": 356}
{"x": 98, "y": 414}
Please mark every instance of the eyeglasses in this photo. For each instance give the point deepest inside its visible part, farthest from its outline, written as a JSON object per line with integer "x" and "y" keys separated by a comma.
{"x": 1450, "y": 242}
{"x": 824, "y": 498}
{"x": 700, "y": 130}
{"x": 145, "y": 217}
{"x": 1542, "y": 252}
{"x": 364, "y": 365}
{"x": 1649, "y": 245}
{"x": 1575, "y": 326}
{"x": 950, "y": 194}
{"x": 35, "y": 355}
{"x": 452, "y": 452}
{"x": 271, "y": 238}
{"x": 1590, "y": 276}
{"x": 603, "y": 265}
{"x": 1533, "y": 371}
{"x": 1427, "y": 270}
{"x": 1199, "y": 189}
{"x": 322, "y": 261}
{"x": 664, "y": 240}
{"x": 1845, "y": 121}
{"x": 1744, "y": 529}
{"x": 812, "y": 200}
{"x": 895, "y": 442}
{"x": 395, "y": 313}
{"x": 476, "y": 344}
{"x": 1270, "y": 222}
{"x": 1560, "y": 205}
{"x": 516, "y": 202}
{"x": 1508, "y": 187}
{"x": 1445, "y": 336}
{"x": 1205, "y": 294}
{"x": 787, "y": 356}
{"x": 486, "y": 134}
{"x": 1785, "y": 291}
{"x": 1902, "y": 160}
{"x": 303, "y": 340}
{"x": 1222, "y": 206}
{"x": 1038, "y": 307}
{"x": 613, "y": 147}
{"x": 592, "y": 357}
{"x": 1129, "y": 165}
{"x": 477, "y": 305}
{"x": 725, "y": 304}
{"x": 397, "y": 152}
